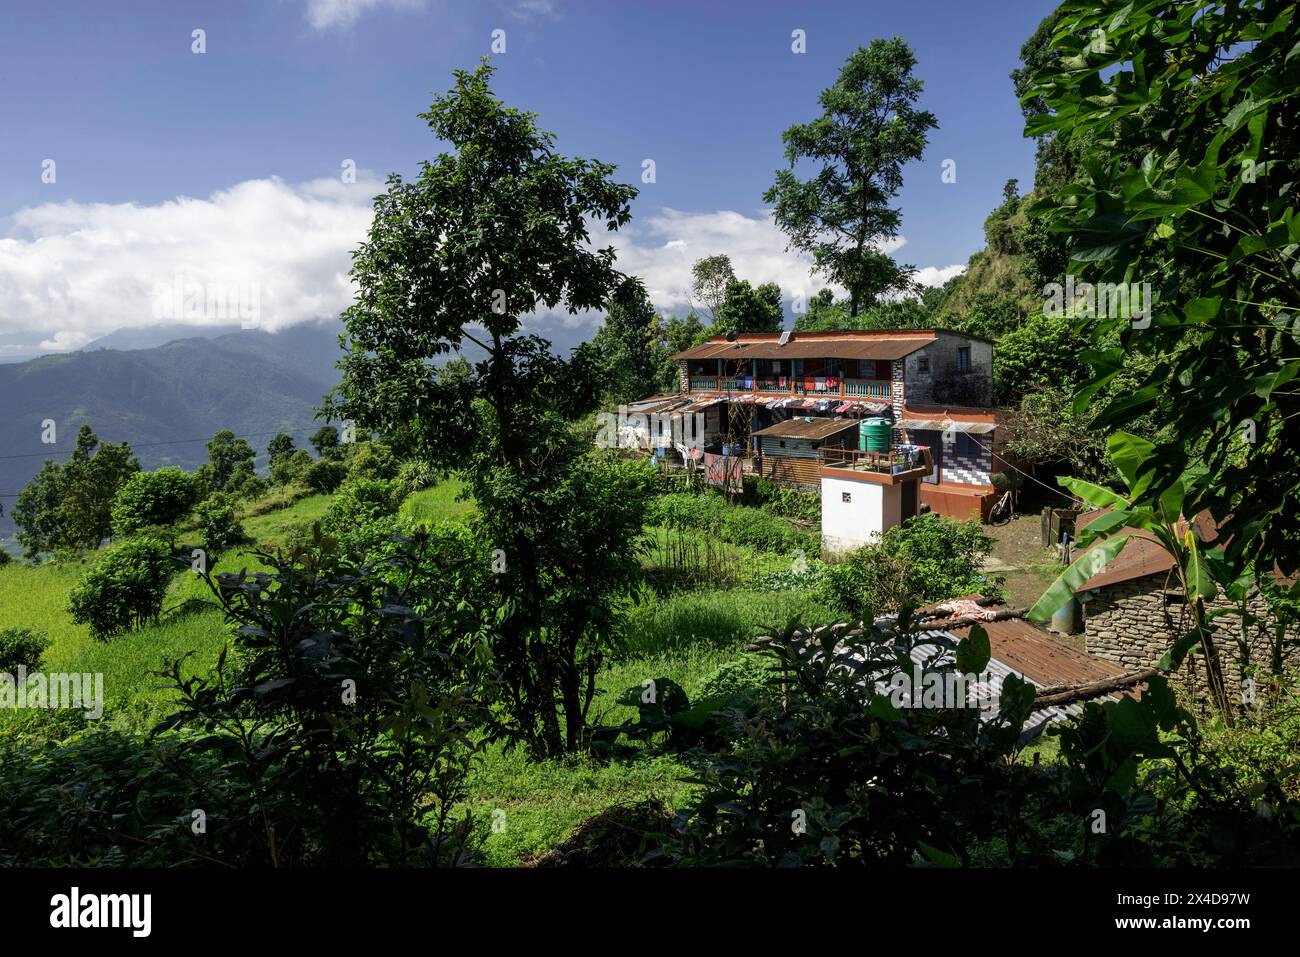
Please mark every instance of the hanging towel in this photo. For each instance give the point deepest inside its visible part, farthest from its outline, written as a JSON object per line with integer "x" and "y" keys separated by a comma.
{"x": 832, "y": 382}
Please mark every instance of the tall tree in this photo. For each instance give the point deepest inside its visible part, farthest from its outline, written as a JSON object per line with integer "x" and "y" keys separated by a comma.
{"x": 230, "y": 461}
{"x": 749, "y": 309}
{"x": 710, "y": 277}
{"x": 624, "y": 347}
{"x": 488, "y": 232}
{"x": 870, "y": 127}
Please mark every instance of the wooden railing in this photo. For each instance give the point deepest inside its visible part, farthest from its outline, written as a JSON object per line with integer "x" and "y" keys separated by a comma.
{"x": 877, "y": 389}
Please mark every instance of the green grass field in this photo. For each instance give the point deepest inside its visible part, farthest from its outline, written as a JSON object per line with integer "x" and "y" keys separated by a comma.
{"x": 683, "y": 636}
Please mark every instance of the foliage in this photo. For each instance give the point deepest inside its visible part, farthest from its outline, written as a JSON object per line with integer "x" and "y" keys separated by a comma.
{"x": 153, "y": 500}
{"x": 326, "y": 442}
{"x": 69, "y": 506}
{"x": 344, "y": 721}
{"x": 21, "y": 647}
{"x": 710, "y": 278}
{"x": 291, "y": 467}
{"x": 124, "y": 588}
{"x": 325, "y": 475}
{"x": 749, "y": 309}
{"x": 361, "y": 515}
{"x": 869, "y": 129}
{"x": 1183, "y": 121}
{"x": 738, "y": 524}
{"x": 371, "y": 460}
{"x": 489, "y": 232}
{"x": 230, "y": 465}
{"x": 623, "y": 348}
{"x": 219, "y": 525}
{"x": 926, "y": 559}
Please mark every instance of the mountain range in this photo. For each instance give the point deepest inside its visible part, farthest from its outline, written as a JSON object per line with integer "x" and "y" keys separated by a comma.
{"x": 167, "y": 389}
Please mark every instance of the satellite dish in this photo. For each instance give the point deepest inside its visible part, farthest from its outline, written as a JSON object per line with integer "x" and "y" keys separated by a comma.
{"x": 731, "y": 336}
{"x": 785, "y": 337}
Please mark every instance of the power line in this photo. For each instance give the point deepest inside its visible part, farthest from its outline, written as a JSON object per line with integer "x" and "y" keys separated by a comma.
{"x": 1013, "y": 466}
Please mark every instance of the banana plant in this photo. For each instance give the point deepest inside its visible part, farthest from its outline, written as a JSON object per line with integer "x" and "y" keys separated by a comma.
{"x": 1164, "y": 525}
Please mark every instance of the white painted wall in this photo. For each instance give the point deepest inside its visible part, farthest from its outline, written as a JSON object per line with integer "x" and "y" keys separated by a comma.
{"x": 871, "y": 509}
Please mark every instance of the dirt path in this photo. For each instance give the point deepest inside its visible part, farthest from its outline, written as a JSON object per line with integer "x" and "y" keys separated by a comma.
{"x": 1019, "y": 556}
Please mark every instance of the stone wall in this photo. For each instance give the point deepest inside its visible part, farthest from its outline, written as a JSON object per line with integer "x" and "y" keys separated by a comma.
{"x": 1133, "y": 624}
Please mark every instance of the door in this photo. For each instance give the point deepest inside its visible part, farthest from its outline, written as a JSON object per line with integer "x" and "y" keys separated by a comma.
{"x": 934, "y": 440}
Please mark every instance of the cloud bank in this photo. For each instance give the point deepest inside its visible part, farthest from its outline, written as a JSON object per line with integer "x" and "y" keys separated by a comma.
{"x": 269, "y": 253}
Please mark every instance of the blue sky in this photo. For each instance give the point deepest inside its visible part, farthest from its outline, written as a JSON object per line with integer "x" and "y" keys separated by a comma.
{"x": 288, "y": 89}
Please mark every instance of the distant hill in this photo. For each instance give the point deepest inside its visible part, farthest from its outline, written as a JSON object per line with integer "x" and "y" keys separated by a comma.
{"x": 168, "y": 399}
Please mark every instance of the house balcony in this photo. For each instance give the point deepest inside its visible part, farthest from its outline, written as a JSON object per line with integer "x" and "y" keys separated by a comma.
{"x": 877, "y": 389}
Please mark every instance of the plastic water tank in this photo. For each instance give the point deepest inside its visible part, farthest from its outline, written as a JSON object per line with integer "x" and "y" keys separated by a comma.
{"x": 874, "y": 435}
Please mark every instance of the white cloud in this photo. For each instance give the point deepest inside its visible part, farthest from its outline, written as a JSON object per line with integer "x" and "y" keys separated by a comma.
{"x": 528, "y": 9}
{"x": 341, "y": 14}
{"x": 280, "y": 253}
{"x": 660, "y": 248}
{"x": 938, "y": 275}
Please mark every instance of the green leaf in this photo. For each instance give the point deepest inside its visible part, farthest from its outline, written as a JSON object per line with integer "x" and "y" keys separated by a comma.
{"x": 1084, "y": 567}
{"x": 1093, "y": 494}
{"x": 1130, "y": 453}
{"x": 937, "y": 857}
{"x": 973, "y": 652}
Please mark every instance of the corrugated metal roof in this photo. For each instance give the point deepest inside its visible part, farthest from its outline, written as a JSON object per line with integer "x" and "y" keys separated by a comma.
{"x": 847, "y": 348}
{"x": 946, "y": 425}
{"x": 813, "y": 429}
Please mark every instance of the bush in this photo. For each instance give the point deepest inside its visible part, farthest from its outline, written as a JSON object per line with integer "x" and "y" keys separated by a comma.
{"x": 362, "y": 516}
{"x": 371, "y": 460}
{"x": 290, "y": 467}
{"x": 219, "y": 524}
{"x": 926, "y": 559}
{"x": 21, "y": 647}
{"x": 740, "y": 677}
{"x": 415, "y": 475}
{"x": 325, "y": 475}
{"x": 153, "y": 500}
{"x": 124, "y": 588}
{"x": 5, "y": 558}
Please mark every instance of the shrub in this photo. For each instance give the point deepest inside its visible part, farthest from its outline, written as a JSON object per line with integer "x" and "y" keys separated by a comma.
{"x": 124, "y": 588}
{"x": 926, "y": 559}
{"x": 737, "y": 524}
{"x": 325, "y": 475}
{"x": 219, "y": 524}
{"x": 21, "y": 647}
{"x": 290, "y": 467}
{"x": 415, "y": 475}
{"x": 361, "y": 517}
{"x": 5, "y": 558}
{"x": 371, "y": 460}
{"x": 153, "y": 500}
{"x": 743, "y": 676}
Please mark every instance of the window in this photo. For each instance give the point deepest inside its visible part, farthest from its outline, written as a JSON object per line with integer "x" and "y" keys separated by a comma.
{"x": 923, "y": 365}
{"x": 782, "y": 443}
{"x": 963, "y": 359}
{"x": 846, "y": 496}
{"x": 967, "y": 446}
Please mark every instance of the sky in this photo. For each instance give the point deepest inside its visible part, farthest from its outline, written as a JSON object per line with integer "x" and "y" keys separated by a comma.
{"x": 134, "y": 169}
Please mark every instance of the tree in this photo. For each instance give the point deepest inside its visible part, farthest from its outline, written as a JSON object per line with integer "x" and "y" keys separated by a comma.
{"x": 153, "y": 500}
{"x": 487, "y": 233}
{"x": 869, "y": 128}
{"x": 1183, "y": 114}
{"x": 746, "y": 309}
{"x": 711, "y": 276}
{"x": 279, "y": 447}
{"x": 674, "y": 334}
{"x": 230, "y": 462}
{"x": 70, "y": 506}
{"x": 325, "y": 441}
{"x": 623, "y": 348}
{"x": 124, "y": 588}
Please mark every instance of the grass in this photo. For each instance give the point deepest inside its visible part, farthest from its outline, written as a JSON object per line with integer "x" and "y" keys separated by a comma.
{"x": 443, "y": 502}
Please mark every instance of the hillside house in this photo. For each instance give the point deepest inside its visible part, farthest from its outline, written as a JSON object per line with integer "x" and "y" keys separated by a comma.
{"x": 789, "y": 451}
{"x": 935, "y": 385}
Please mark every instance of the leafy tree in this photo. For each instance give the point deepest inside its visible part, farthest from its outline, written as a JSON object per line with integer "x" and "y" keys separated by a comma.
{"x": 219, "y": 525}
{"x": 675, "y": 334}
{"x": 869, "y": 129}
{"x": 710, "y": 277}
{"x": 1044, "y": 352}
{"x": 21, "y": 648}
{"x": 326, "y": 442}
{"x": 487, "y": 232}
{"x": 746, "y": 309}
{"x": 624, "y": 348}
{"x": 124, "y": 588}
{"x": 153, "y": 500}
{"x": 70, "y": 506}
{"x": 279, "y": 447}
{"x": 291, "y": 467}
{"x": 325, "y": 475}
{"x": 230, "y": 462}
{"x": 1183, "y": 116}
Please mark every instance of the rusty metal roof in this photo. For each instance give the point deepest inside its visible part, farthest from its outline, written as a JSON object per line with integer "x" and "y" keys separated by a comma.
{"x": 810, "y": 428}
{"x": 849, "y": 346}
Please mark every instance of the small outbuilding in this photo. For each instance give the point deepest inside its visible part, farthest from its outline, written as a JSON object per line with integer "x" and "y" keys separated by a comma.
{"x": 789, "y": 451}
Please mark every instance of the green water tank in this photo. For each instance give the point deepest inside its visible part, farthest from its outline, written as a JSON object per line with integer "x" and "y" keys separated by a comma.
{"x": 874, "y": 435}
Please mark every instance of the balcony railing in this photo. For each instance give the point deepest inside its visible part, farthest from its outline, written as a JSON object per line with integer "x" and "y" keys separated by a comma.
{"x": 877, "y": 389}
{"x": 896, "y": 460}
